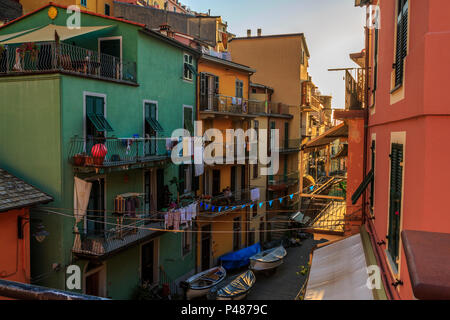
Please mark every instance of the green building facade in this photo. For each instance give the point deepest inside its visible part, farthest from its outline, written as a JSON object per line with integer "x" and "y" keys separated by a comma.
{"x": 117, "y": 86}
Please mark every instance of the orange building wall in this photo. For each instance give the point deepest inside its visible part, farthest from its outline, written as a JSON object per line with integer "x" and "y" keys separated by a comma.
{"x": 277, "y": 61}
{"x": 15, "y": 253}
{"x": 418, "y": 111}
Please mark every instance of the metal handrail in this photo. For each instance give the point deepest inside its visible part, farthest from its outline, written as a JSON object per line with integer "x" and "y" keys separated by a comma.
{"x": 52, "y": 56}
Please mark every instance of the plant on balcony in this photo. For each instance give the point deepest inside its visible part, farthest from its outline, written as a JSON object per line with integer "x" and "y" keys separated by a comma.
{"x": 79, "y": 159}
{"x": 2, "y": 48}
{"x": 30, "y": 47}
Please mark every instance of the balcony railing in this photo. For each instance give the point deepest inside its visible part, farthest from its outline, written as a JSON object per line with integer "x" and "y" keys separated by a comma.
{"x": 289, "y": 145}
{"x": 284, "y": 179}
{"x": 278, "y": 108}
{"x": 50, "y": 56}
{"x": 111, "y": 152}
{"x": 227, "y": 201}
{"x": 224, "y": 104}
{"x": 103, "y": 242}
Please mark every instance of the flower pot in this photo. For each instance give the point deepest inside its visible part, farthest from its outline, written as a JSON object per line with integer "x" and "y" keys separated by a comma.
{"x": 98, "y": 161}
{"x": 88, "y": 161}
{"x": 79, "y": 160}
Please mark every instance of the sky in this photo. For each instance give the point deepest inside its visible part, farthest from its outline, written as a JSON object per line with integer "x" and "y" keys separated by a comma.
{"x": 333, "y": 29}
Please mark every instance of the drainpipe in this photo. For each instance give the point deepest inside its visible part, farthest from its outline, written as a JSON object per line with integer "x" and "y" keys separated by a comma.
{"x": 366, "y": 113}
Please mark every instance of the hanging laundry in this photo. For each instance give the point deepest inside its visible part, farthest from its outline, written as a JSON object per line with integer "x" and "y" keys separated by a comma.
{"x": 254, "y": 194}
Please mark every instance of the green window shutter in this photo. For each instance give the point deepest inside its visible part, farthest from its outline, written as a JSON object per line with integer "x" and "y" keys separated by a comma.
{"x": 150, "y": 117}
{"x": 395, "y": 201}
{"x": 188, "y": 124}
{"x": 95, "y": 113}
{"x": 402, "y": 40}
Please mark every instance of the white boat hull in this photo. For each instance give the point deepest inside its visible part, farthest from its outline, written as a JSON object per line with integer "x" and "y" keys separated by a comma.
{"x": 263, "y": 266}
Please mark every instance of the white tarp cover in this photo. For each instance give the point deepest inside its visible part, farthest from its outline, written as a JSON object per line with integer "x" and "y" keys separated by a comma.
{"x": 81, "y": 194}
{"x": 338, "y": 272}
{"x": 47, "y": 33}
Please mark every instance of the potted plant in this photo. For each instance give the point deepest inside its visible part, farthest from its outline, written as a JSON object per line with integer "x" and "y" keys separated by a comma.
{"x": 79, "y": 159}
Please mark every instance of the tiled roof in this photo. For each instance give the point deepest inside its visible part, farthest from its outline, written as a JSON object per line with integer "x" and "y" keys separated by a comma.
{"x": 16, "y": 193}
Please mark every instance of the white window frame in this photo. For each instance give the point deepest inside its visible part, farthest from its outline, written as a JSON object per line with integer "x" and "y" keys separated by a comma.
{"x": 191, "y": 79}
{"x": 92, "y": 94}
{"x": 143, "y": 122}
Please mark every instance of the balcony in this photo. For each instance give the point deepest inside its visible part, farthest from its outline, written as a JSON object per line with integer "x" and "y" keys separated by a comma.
{"x": 130, "y": 231}
{"x": 290, "y": 145}
{"x": 283, "y": 181}
{"x": 52, "y": 57}
{"x": 87, "y": 154}
{"x": 225, "y": 203}
{"x": 214, "y": 104}
{"x": 279, "y": 109}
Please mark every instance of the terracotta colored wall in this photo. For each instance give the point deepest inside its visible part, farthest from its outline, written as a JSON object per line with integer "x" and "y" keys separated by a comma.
{"x": 419, "y": 111}
{"x": 15, "y": 253}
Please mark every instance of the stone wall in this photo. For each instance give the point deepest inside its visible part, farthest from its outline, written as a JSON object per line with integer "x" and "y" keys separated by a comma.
{"x": 203, "y": 28}
{"x": 9, "y": 10}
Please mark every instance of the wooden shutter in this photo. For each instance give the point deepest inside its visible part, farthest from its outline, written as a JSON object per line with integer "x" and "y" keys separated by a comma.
{"x": 402, "y": 40}
{"x": 202, "y": 84}
{"x": 395, "y": 200}
{"x": 216, "y": 84}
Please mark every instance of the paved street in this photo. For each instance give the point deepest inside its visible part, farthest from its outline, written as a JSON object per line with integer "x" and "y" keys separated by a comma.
{"x": 285, "y": 283}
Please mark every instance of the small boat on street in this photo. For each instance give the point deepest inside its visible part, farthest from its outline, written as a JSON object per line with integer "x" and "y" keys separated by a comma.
{"x": 200, "y": 284}
{"x": 268, "y": 259}
{"x": 239, "y": 288}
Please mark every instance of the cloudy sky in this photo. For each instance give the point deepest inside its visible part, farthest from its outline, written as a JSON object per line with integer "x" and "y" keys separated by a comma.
{"x": 333, "y": 29}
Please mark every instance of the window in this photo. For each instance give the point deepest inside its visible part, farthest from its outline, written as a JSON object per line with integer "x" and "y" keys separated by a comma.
{"x": 395, "y": 202}
{"x": 303, "y": 57}
{"x": 83, "y": 3}
{"x": 151, "y": 128}
{"x": 188, "y": 120}
{"x": 239, "y": 89}
{"x": 402, "y": 41}
{"x": 185, "y": 178}
{"x": 96, "y": 208}
{"x": 186, "y": 241}
{"x": 107, "y": 9}
{"x": 255, "y": 166}
{"x": 96, "y": 124}
{"x": 188, "y": 67}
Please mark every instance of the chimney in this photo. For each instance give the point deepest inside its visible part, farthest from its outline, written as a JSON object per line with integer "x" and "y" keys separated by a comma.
{"x": 249, "y": 33}
{"x": 259, "y": 32}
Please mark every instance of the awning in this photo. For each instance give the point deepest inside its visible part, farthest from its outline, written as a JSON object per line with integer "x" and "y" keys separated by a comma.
{"x": 338, "y": 132}
{"x": 47, "y": 33}
{"x": 154, "y": 124}
{"x": 13, "y": 35}
{"x": 99, "y": 121}
{"x": 363, "y": 186}
{"x": 338, "y": 272}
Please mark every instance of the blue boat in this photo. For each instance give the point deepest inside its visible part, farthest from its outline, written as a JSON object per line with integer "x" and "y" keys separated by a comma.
{"x": 239, "y": 259}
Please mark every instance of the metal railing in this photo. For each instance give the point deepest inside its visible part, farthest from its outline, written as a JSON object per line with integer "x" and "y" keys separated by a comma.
{"x": 103, "y": 238}
{"x": 224, "y": 104}
{"x": 227, "y": 201}
{"x": 278, "y": 108}
{"x": 290, "y": 145}
{"x": 85, "y": 152}
{"x": 284, "y": 179}
{"x": 52, "y": 56}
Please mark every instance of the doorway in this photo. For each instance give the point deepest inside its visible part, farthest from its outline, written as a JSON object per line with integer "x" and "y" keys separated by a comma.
{"x": 148, "y": 263}
{"x": 95, "y": 279}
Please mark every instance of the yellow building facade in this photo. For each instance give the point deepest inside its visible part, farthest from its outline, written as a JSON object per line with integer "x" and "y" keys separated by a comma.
{"x": 223, "y": 90}
{"x": 104, "y": 7}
